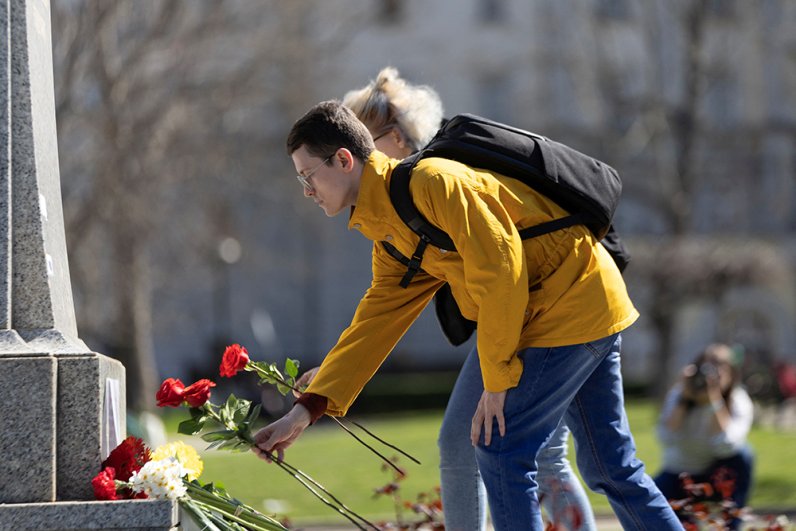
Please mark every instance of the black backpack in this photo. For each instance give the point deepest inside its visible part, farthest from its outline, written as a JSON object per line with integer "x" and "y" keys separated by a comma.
{"x": 585, "y": 187}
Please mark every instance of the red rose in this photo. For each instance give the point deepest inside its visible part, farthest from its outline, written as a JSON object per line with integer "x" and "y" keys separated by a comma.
{"x": 170, "y": 393}
{"x": 198, "y": 393}
{"x": 104, "y": 485}
{"x": 127, "y": 458}
{"x": 235, "y": 359}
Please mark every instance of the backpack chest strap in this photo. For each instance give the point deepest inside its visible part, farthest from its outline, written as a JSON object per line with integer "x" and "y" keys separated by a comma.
{"x": 413, "y": 264}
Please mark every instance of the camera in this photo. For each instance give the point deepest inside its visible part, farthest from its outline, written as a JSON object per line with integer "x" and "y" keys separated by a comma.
{"x": 697, "y": 375}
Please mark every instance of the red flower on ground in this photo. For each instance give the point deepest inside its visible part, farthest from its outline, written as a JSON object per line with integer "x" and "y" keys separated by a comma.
{"x": 170, "y": 393}
{"x": 198, "y": 392}
{"x": 127, "y": 458}
{"x": 105, "y": 485}
{"x": 234, "y": 360}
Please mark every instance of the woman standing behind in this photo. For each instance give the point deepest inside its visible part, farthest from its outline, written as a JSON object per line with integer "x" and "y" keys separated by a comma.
{"x": 402, "y": 118}
{"x": 704, "y": 424}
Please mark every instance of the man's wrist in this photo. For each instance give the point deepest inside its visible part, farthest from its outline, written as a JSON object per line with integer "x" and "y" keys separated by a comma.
{"x": 301, "y": 413}
{"x": 313, "y": 404}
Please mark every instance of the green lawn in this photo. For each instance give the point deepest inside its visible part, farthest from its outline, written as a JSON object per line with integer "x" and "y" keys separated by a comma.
{"x": 351, "y": 472}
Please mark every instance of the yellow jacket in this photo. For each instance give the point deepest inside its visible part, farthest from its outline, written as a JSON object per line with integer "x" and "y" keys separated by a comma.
{"x": 582, "y": 296}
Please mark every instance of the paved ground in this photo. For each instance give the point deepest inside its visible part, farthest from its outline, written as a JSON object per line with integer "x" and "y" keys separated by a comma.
{"x": 604, "y": 523}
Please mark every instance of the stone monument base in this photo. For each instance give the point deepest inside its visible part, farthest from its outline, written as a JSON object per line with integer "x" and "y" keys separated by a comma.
{"x": 60, "y": 417}
{"x": 130, "y": 515}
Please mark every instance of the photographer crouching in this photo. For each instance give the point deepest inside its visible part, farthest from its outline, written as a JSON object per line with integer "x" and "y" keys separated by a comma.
{"x": 703, "y": 428}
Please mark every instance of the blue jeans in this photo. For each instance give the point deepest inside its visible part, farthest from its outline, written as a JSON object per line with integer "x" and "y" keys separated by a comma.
{"x": 463, "y": 493}
{"x": 582, "y": 384}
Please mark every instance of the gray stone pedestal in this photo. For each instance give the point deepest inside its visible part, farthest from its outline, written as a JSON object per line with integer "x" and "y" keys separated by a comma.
{"x": 130, "y": 515}
{"x": 62, "y": 407}
{"x": 27, "y": 428}
{"x": 65, "y": 425}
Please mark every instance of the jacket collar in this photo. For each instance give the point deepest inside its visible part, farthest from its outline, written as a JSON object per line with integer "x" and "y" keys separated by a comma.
{"x": 374, "y": 192}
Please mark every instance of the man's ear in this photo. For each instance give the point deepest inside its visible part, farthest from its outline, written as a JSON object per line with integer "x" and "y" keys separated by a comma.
{"x": 346, "y": 159}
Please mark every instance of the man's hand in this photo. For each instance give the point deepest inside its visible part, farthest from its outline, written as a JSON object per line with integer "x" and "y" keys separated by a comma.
{"x": 280, "y": 434}
{"x": 490, "y": 407}
{"x": 304, "y": 381}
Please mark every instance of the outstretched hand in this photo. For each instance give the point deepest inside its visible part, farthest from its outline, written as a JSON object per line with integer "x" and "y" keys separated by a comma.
{"x": 281, "y": 433}
{"x": 490, "y": 408}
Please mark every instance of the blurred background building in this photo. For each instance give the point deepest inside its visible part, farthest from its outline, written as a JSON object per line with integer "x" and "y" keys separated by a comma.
{"x": 187, "y": 230}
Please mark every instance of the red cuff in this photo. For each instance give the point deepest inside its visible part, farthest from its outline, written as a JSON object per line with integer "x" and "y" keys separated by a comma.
{"x": 315, "y": 404}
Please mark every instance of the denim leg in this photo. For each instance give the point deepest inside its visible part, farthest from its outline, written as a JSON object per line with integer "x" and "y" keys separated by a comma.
{"x": 560, "y": 491}
{"x": 463, "y": 493}
{"x": 605, "y": 450}
{"x": 551, "y": 378}
{"x": 582, "y": 381}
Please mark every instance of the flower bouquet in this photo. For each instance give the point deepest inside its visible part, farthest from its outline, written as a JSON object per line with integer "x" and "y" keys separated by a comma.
{"x": 132, "y": 471}
{"x": 236, "y": 358}
{"x": 229, "y": 426}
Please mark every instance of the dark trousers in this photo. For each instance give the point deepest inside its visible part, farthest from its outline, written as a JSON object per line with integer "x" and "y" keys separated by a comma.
{"x": 739, "y": 465}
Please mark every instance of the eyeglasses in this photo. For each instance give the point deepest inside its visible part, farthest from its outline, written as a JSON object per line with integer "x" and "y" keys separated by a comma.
{"x": 383, "y": 134}
{"x": 305, "y": 179}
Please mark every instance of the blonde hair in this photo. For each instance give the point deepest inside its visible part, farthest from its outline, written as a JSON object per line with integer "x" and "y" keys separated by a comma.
{"x": 390, "y": 101}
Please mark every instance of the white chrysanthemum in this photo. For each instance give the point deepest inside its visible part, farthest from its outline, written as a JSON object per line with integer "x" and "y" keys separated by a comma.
{"x": 160, "y": 479}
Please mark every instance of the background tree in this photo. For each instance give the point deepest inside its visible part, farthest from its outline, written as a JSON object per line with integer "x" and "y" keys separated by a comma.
{"x": 168, "y": 114}
{"x": 664, "y": 132}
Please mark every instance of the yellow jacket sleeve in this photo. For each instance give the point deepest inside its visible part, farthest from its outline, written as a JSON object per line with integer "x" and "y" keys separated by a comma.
{"x": 383, "y": 316}
{"x": 495, "y": 271}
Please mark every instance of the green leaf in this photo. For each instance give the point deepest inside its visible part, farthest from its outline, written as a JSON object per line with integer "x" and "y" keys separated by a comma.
{"x": 233, "y": 444}
{"x": 254, "y": 413}
{"x": 291, "y": 367}
{"x": 226, "y": 412}
{"x": 282, "y": 389}
{"x": 191, "y": 426}
{"x": 221, "y": 435}
{"x": 239, "y": 414}
{"x": 213, "y": 445}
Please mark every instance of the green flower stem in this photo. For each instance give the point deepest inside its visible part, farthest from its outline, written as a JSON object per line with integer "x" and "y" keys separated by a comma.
{"x": 249, "y": 524}
{"x": 198, "y": 516}
{"x": 369, "y": 447}
{"x": 227, "y": 525}
{"x": 247, "y": 515}
{"x": 262, "y": 374}
{"x": 310, "y": 483}
{"x": 248, "y": 520}
{"x": 382, "y": 441}
{"x": 300, "y": 476}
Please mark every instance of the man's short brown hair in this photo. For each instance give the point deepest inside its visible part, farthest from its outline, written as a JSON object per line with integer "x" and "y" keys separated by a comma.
{"x": 327, "y": 127}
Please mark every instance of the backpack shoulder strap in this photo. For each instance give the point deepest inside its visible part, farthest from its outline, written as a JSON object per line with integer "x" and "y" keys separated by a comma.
{"x": 405, "y": 207}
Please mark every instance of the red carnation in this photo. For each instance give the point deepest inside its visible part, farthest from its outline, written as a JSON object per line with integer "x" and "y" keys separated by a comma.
{"x": 127, "y": 458}
{"x": 235, "y": 359}
{"x": 170, "y": 393}
{"x": 198, "y": 393}
{"x": 105, "y": 485}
